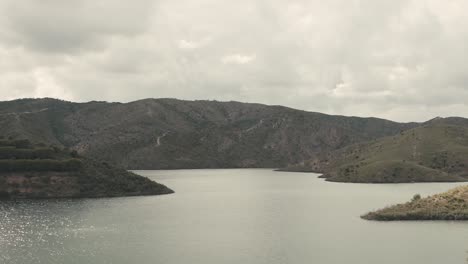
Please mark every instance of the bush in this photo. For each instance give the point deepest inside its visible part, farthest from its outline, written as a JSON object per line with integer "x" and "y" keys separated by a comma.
{"x": 15, "y": 153}
{"x": 74, "y": 154}
{"x": 416, "y": 197}
{"x": 22, "y": 143}
{"x": 4, "y": 195}
{"x": 19, "y": 143}
{"x": 7, "y": 143}
{"x": 40, "y": 165}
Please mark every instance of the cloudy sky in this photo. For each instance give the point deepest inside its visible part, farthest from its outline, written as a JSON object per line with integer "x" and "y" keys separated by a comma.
{"x": 402, "y": 60}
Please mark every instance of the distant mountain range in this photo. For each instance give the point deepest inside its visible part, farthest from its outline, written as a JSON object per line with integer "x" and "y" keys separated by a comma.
{"x": 175, "y": 134}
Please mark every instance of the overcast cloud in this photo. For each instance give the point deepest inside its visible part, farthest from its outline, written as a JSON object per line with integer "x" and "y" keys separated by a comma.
{"x": 402, "y": 60}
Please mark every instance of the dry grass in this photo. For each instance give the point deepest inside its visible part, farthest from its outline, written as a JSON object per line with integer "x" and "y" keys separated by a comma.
{"x": 451, "y": 205}
{"x": 431, "y": 153}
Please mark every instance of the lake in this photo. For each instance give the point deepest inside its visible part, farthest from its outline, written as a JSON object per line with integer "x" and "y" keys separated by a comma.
{"x": 231, "y": 216}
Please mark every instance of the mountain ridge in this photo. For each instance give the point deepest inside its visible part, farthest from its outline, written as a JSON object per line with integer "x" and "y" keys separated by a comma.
{"x": 172, "y": 133}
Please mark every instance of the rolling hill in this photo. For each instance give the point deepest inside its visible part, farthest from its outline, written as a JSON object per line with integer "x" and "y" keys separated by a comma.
{"x": 434, "y": 152}
{"x": 174, "y": 134}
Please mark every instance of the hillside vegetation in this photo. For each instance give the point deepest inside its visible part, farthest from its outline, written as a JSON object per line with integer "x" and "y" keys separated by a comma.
{"x": 451, "y": 205}
{"x": 434, "y": 152}
{"x": 174, "y": 134}
{"x": 37, "y": 171}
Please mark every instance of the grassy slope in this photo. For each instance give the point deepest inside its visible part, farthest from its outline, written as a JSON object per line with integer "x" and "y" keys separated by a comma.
{"x": 41, "y": 172}
{"x": 434, "y": 152}
{"x": 451, "y": 205}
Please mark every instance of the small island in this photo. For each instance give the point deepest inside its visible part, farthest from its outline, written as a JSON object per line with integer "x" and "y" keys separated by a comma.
{"x": 451, "y": 205}
{"x": 39, "y": 171}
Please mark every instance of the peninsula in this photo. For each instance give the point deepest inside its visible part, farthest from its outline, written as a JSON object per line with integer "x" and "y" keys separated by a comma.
{"x": 30, "y": 170}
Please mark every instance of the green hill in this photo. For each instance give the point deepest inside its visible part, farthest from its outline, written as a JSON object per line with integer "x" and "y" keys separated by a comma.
{"x": 451, "y": 205}
{"x": 38, "y": 171}
{"x": 434, "y": 152}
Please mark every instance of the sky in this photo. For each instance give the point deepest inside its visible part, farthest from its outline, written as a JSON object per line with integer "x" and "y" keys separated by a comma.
{"x": 400, "y": 60}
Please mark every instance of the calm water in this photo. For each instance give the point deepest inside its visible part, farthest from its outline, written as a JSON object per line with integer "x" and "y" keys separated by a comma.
{"x": 231, "y": 216}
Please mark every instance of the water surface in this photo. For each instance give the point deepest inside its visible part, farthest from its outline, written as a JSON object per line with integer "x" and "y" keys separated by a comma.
{"x": 231, "y": 216}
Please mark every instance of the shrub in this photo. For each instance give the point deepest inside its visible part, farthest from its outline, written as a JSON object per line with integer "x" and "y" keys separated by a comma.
{"x": 416, "y": 197}
{"x": 4, "y": 195}
{"x": 40, "y": 165}
{"x": 7, "y": 143}
{"x": 15, "y": 153}
{"x": 74, "y": 153}
{"x": 22, "y": 143}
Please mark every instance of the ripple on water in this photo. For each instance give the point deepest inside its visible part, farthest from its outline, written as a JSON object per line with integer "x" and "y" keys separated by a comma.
{"x": 34, "y": 231}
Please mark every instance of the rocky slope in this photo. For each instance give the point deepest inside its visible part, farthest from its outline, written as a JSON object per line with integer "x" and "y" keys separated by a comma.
{"x": 169, "y": 133}
{"x": 434, "y": 152}
{"x": 451, "y": 205}
{"x": 39, "y": 171}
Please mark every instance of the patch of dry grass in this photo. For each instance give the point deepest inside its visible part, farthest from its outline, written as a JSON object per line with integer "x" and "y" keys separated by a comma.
{"x": 451, "y": 205}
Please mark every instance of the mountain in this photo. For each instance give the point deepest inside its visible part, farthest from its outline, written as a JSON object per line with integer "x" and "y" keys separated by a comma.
{"x": 437, "y": 151}
{"x": 451, "y": 205}
{"x": 174, "y": 134}
{"x": 38, "y": 171}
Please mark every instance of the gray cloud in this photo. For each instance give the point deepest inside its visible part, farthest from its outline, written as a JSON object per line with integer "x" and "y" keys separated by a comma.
{"x": 402, "y": 60}
{"x": 67, "y": 26}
